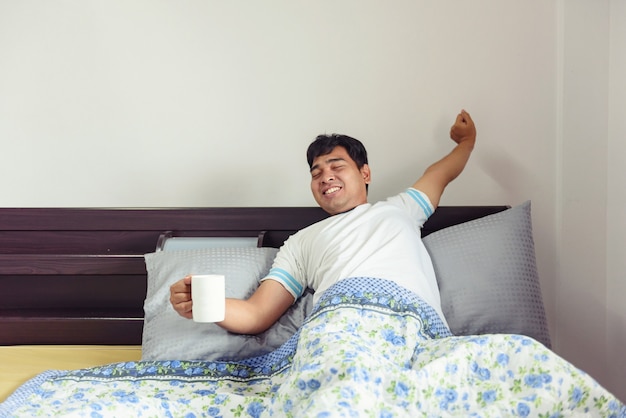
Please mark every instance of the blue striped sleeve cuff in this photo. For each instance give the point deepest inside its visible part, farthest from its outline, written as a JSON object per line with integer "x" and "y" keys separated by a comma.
{"x": 421, "y": 200}
{"x": 291, "y": 284}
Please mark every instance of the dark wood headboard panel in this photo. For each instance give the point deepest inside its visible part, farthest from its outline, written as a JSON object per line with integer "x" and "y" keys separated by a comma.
{"x": 77, "y": 276}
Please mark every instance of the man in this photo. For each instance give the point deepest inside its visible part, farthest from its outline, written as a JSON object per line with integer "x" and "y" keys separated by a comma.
{"x": 360, "y": 240}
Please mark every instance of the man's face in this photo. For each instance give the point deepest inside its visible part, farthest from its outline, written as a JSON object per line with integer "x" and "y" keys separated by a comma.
{"x": 336, "y": 182}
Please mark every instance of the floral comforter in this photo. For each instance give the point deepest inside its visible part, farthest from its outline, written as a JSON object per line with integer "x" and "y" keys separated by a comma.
{"x": 369, "y": 349}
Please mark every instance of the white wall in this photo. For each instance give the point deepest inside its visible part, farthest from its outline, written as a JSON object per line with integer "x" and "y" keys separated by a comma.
{"x": 581, "y": 296}
{"x": 590, "y": 327}
{"x": 207, "y": 103}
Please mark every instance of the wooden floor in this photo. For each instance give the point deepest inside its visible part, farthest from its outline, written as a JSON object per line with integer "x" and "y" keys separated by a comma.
{"x": 21, "y": 363}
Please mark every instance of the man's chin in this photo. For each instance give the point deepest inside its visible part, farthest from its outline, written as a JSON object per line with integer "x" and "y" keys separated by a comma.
{"x": 331, "y": 210}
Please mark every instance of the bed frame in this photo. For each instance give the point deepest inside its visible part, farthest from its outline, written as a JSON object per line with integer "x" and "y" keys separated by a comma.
{"x": 77, "y": 276}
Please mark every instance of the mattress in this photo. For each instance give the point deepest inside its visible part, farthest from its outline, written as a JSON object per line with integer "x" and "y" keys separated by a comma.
{"x": 23, "y": 362}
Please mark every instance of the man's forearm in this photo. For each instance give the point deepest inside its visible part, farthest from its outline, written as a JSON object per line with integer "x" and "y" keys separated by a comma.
{"x": 436, "y": 177}
{"x": 242, "y": 318}
{"x": 453, "y": 164}
{"x": 259, "y": 312}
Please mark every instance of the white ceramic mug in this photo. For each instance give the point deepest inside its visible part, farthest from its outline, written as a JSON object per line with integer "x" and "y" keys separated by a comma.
{"x": 208, "y": 296}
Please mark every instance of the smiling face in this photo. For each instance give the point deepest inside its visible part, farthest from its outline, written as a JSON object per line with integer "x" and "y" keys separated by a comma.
{"x": 338, "y": 185}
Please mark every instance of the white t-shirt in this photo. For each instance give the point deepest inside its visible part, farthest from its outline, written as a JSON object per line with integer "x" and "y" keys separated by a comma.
{"x": 382, "y": 240}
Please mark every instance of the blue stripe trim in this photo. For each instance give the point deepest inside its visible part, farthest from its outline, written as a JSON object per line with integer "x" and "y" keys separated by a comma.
{"x": 288, "y": 280}
{"x": 420, "y": 198}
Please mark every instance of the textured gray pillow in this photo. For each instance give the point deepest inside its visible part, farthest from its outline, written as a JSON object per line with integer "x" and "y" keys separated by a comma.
{"x": 487, "y": 275}
{"x": 168, "y": 336}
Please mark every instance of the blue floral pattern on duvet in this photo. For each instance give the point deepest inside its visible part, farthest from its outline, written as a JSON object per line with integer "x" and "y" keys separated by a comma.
{"x": 369, "y": 349}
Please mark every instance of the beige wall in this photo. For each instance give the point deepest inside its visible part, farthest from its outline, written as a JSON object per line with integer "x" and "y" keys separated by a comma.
{"x": 207, "y": 103}
{"x": 616, "y": 203}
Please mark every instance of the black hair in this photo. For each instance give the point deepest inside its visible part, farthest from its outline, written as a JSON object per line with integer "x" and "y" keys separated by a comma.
{"x": 324, "y": 144}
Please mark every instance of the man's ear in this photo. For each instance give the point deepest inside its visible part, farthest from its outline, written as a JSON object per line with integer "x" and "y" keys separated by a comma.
{"x": 365, "y": 172}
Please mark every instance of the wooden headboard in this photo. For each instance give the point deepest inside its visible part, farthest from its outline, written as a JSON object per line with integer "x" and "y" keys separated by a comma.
{"x": 77, "y": 276}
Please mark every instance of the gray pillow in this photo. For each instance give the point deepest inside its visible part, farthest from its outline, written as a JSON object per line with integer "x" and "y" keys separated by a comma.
{"x": 168, "y": 336}
{"x": 487, "y": 275}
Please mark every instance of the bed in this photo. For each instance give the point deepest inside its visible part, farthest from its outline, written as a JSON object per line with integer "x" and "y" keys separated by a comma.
{"x": 86, "y": 328}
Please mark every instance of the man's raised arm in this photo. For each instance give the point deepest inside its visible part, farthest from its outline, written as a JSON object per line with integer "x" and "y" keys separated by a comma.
{"x": 436, "y": 177}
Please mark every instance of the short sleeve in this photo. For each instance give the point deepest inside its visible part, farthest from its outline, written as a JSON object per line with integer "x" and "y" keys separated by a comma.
{"x": 286, "y": 270}
{"x": 416, "y": 203}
